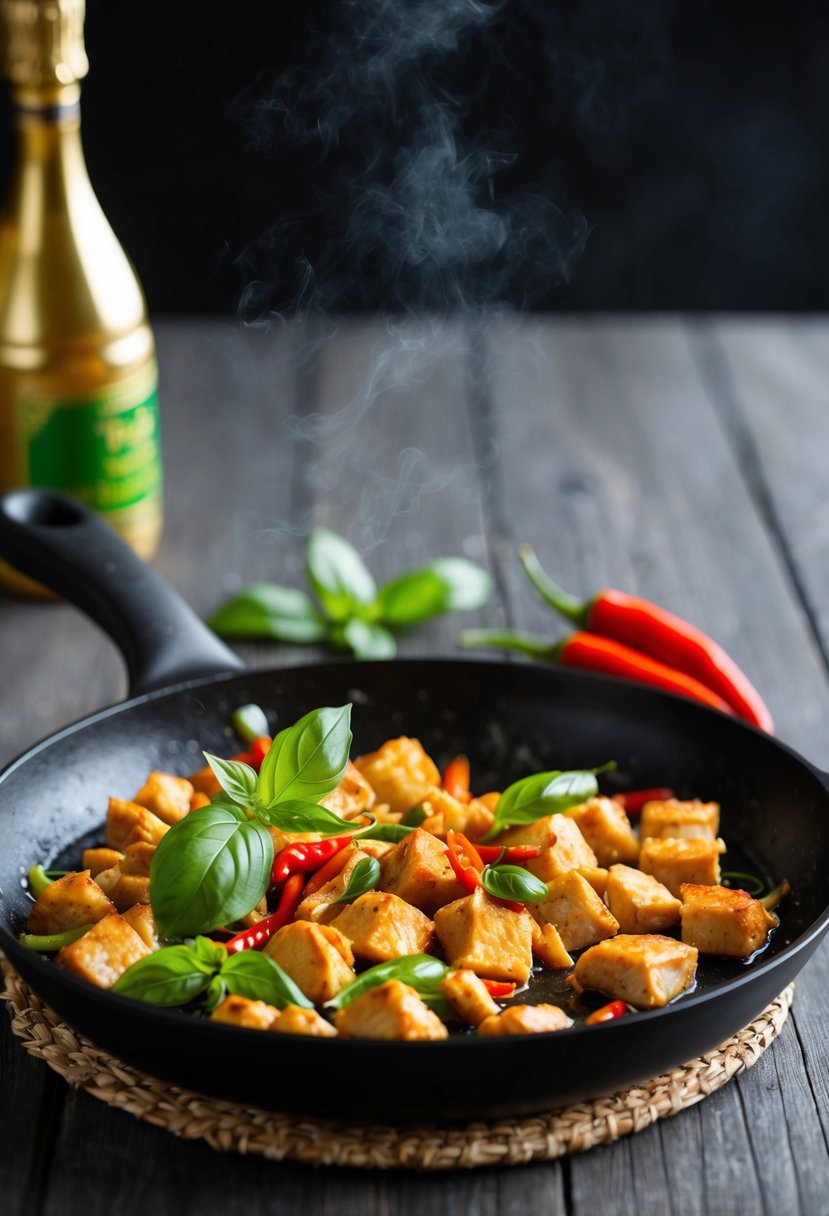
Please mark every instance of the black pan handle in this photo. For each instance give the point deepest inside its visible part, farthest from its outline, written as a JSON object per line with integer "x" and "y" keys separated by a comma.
{"x": 72, "y": 551}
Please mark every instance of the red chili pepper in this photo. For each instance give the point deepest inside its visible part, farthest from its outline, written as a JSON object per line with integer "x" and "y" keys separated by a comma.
{"x": 656, "y": 632}
{"x": 513, "y": 855}
{"x": 458, "y": 847}
{"x": 259, "y": 750}
{"x": 633, "y": 801}
{"x": 305, "y": 857}
{"x": 260, "y": 933}
{"x": 456, "y": 779}
{"x": 499, "y": 988}
{"x": 325, "y": 874}
{"x": 607, "y": 1013}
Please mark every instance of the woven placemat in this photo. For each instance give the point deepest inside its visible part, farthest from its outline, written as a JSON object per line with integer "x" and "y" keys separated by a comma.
{"x": 229, "y": 1127}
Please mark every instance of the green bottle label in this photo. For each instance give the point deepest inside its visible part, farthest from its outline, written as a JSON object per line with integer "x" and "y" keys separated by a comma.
{"x": 103, "y": 450}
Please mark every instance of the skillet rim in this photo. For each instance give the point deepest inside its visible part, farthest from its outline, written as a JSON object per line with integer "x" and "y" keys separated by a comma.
{"x": 178, "y": 1019}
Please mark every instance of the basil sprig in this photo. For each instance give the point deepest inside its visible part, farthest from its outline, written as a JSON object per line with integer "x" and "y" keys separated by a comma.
{"x": 543, "y": 794}
{"x": 362, "y": 879}
{"x": 213, "y": 866}
{"x": 351, "y": 612}
{"x": 420, "y": 971}
{"x": 179, "y": 975}
{"x": 513, "y": 883}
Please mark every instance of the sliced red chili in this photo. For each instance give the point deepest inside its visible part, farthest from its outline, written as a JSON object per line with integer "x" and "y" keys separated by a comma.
{"x": 260, "y": 933}
{"x": 305, "y": 857}
{"x": 607, "y": 1013}
{"x": 633, "y": 801}
{"x": 513, "y": 855}
{"x": 259, "y": 750}
{"x": 456, "y": 779}
{"x": 467, "y": 873}
{"x": 499, "y": 988}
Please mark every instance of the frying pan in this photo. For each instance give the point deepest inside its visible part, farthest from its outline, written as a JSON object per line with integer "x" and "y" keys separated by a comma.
{"x": 509, "y": 718}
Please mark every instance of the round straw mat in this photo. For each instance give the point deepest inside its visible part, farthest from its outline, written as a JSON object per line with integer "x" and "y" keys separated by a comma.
{"x": 229, "y": 1127}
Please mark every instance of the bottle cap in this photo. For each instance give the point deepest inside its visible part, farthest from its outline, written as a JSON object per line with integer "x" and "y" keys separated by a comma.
{"x": 43, "y": 42}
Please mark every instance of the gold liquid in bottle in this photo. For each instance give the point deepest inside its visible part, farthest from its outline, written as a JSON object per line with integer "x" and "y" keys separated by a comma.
{"x": 78, "y": 376}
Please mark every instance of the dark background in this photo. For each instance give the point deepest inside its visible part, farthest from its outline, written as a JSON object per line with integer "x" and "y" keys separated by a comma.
{"x": 256, "y": 156}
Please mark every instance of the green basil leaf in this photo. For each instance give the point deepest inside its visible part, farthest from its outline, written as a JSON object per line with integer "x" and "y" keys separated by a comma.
{"x": 367, "y": 640}
{"x": 420, "y": 971}
{"x": 363, "y": 878}
{"x": 266, "y": 610}
{"x": 216, "y": 993}
{"x": 210, "y": 954}
{"x": 338, "y": 575}
{"x": 450, "y": 584}
{"x": 171, "y": 976}
{"x": 295, "y": 816}
{"x": 414, "y": 817}
{"x": 307, "y": 760}
{"x": 514, "y": 883}
{"x": 236, "y": 779}
{"x": 210, "y": 868}
{"x": 249, "y": 722}
{"x": 391, "y": 832}
{"x": 256, "y": 976}
{"x": 543, "y": 794}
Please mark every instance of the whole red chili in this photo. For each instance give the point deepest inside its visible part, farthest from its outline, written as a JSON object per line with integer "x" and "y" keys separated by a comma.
{"x": 664, "y": 636}
{"x": 513, "y": 855}
{"x": 633, "y": 801}
{"x": 305, "y": 857}
{"x": 468, "y": 874}
{"x": 260, "y": 933}
{"x": 607, "y": 1013}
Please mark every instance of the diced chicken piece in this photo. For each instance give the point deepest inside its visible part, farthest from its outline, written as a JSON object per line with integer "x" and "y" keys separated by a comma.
{"x": 241, "y": 1011}
{"x": 104, "y": 952}
{"x": 390, "y": 1011}
{"x": 597, "y": 877}
{"x": 147, "y": 829}
{"x": 204, "y": 781}
{"x": 671, "y": 817}
{"x": 67, "y": 903}
{"x": 124, "y": 889}
{"x": 377, "y": 848}
{"x": 562, "y": 846}
{"x": 399, "y": 772}
{"x": 122, "y": 816}
{"x": 418, "y": 870}
{"x": 318, "y": 958}
{"x": 717, "y": 920}
{"x": 576, "y": 911}
{"x": 640, "y": 903}
{"x": 140, "y": 918}
{"x": 199, "y": 800}
{"x": 468, "y": 996}
{"x": 646, "y": 970}
{"x": 526, "y": 1019}
{"x": 446, "y": 814}
{"x": 673, "y": 862}
{"x": 487, "y": 938}
{"x": 381, "y": 927}
{"x": 352, "y": 796}
{"x": 166, "y": 795}
{"x": 295, "y": 1020}
{"x": 549, "y": 948}
{"x": 99, "y": 859}
{"x": 320, "y": 906}
{"x": 606, "y": 828}
{"x": 137, "y": 859}
{"x": 255, "y": 915}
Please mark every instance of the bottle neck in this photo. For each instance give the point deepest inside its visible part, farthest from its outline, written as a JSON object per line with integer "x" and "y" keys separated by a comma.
{"x": 50, "y": 176}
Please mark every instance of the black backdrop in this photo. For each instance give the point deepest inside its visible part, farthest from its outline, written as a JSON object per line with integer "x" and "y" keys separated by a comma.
{"x": 430, "y": 153}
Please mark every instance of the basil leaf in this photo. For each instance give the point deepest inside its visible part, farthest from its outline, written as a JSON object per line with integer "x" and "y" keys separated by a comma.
{"x": 236, "y": 779}
{"x": 307, "y": 760}
{"x": 543, "y": 794}
{"x": 210, "y": 868}
{"x": 414, "y": 817}
{"x": 259, "y": 978}
{"x": 338, "y": 575}
{"x": 209, "y": 954}
{"x": 171, "y": 976}
{"x": 249, "y": 722}
{"x": 420, "y": 971}
{"x": 295, "y": 816}
{"x": 514, "y": 883}
{"x": 363, "y": 878}
{"x": 392, "y": 832}
{"x": 450, "y": 584}
{"x": 216, "y": 993}
{"x": 368, "y": 640}
{"x": 266, "y": 610}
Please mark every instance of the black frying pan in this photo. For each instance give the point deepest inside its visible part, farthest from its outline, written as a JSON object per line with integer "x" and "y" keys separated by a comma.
{"x": 508, "y": 718}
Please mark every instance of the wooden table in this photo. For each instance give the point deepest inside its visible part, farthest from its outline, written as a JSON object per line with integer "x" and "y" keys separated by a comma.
{"x": 682, "y": 459}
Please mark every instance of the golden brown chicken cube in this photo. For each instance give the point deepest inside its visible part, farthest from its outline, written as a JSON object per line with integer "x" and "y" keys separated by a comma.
{"x": 381, "y": 926}
{"x": 562, "y": 846}
{"x": 526, "y": 1019}
{"x": 444, "y": 813}
{"x": 606, "y": 828}
{"x": 674, "y": 818}
{"x": 295, "y": 1020}
{"x": 140, "y": 918}
{"x": 399, "y": 772}
{"x": 99, "y": 859}
{"x": 549, "y": 949}
{"x": 104, "y": 952}
{"x": 122, "y": 817}
{"x": 124, "y": 889}
{"x": 487, "y": 938}
{"x": 241, "y": 1011}
{"x": 646, "y": 970}
{"x": 352, "y": 796}
{"x": 137, "y": 859}
{"x": 640, "y": 903}
{"x": 576, "y": 911}
{"x": 166, "y": 795}
{"x": 67, "y": 903}
{"x": 204, "y": 781}
{"x": 418, "y": 870}
{"x": 390, "y": 1011}
{"x": 468, "y": 996}
{"x": 318, "y": 959}
{"x": 320, "y": 906}
{"x": 718, "y": 920}
{"x": 673, "y": 862}
{"x": 597, "y": 877}
{"x": 147, "y": 829}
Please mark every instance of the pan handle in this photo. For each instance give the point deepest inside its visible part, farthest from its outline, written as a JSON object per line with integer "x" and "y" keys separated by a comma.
{"x": 63, "y": 545}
